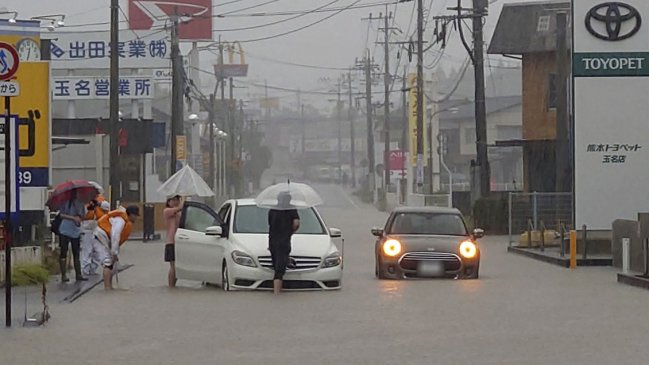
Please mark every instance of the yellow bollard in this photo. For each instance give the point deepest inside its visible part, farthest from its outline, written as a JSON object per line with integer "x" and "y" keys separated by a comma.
{"x": 573, "y": 249}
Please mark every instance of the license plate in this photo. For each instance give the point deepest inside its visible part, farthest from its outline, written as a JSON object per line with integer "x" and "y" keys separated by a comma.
{"x": 430, "y": 269}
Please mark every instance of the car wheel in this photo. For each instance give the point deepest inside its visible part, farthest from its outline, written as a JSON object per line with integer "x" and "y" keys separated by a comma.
{"x": 475, "y": 274}
{"x": 225, "y": 278}
{"x": 378, "y": 270}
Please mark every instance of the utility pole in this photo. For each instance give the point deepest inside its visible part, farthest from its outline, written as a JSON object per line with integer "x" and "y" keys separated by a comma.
{"x": 221, "y": 80}
{"x": 340, "y": 137}
{"x": 420, "y": 93}
{"x": 562, "y": 150}
{"x": 387, "y": 80}
{"x": 370, "y": 125}
{"x": 114, "y": 178}
{"x": 479, "y": 11}
{"x": 212, "y": 169}
{"x": 231, "y": 127}
{"x": 177, "y": 89}
{"x": 352, "y": 133}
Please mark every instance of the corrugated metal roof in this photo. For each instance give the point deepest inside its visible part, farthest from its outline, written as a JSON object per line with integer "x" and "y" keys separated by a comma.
{"x": 527, "y": 28}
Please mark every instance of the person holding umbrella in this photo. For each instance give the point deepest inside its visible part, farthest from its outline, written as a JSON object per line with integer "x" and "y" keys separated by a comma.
{"x": 172, "y": 214}
{"x": 282, "y": 223}
{"x": 72, "y": 214}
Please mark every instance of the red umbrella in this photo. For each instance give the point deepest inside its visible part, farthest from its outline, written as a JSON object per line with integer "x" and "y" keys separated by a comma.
{"x": 63, "y": 193}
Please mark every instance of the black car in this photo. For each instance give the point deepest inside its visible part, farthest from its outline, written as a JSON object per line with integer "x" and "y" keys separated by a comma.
{"x": 426, "y": 242}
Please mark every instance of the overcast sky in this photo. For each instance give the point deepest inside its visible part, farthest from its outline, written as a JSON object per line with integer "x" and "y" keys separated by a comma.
{"x": 334, "y": 42}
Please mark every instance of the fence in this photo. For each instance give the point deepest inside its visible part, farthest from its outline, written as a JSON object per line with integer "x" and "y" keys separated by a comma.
{"x": 539, "y": 212}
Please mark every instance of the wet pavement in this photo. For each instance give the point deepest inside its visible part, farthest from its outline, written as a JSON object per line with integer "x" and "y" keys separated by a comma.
{"x": 520, "y": 312}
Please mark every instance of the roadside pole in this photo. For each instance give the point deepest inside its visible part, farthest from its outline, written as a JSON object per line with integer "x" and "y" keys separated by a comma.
{"x": 9, "y": 62}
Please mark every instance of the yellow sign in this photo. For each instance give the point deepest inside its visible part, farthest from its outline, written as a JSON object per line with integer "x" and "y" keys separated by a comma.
{"x": 412, "y": 121}
{"x": 32, "y": 107}
{"x": 181, "y": 148}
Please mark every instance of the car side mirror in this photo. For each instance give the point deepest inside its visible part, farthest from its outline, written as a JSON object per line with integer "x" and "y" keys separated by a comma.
{"x": 478, "y": 233}
{"x": 378, "y": 232}
{"x": 214, "y": 231}
{"x": 335, "y": 233}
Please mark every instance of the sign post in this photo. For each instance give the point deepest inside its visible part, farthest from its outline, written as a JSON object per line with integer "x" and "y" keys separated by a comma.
{"x": 610, "y": 62}
{"x": 9, "y": 62}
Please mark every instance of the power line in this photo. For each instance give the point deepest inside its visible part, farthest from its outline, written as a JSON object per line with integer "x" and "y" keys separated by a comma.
{"x": 275, "y": 22}
{"x": 248, "y": 8}
{"x": 300, "y": 28}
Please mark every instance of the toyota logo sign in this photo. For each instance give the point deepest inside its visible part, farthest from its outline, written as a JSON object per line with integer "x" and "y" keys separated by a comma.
{"x": 613, "y": 21}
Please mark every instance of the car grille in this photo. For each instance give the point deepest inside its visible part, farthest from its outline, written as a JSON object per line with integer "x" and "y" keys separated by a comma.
{"x": 291, "y": 284}
{"x": 301, "y": 262}
{"x": 410, "y": 260}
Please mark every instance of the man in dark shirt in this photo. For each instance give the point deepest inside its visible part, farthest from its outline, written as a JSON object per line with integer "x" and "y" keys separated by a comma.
{"x": 282, "y": 222}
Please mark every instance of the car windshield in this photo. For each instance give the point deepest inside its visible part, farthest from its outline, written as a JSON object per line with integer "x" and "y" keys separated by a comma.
{"x": 428, "y": 224}
{"x": 254, "y": 220}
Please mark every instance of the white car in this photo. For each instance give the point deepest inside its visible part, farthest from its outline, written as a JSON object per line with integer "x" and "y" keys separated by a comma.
{"x": 230, "y": 248}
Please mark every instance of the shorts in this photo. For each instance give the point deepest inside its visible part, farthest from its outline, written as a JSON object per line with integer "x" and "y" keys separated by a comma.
{"x": 170, "y": 252}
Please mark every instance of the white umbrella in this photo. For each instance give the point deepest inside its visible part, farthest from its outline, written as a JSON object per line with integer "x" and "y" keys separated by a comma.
{"x": 186, "y": 182}
{"x": 287, "y": 196}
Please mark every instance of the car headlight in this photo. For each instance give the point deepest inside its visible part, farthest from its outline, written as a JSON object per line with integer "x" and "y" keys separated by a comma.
{"x": 468, "y": 249}
{"x": 391, "y": 247}
{"x": 333, "y": 260}
{"x": 243, "y": 259}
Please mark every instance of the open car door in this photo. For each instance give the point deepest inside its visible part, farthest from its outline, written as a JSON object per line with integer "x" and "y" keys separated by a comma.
{"x": 199, "y": 247}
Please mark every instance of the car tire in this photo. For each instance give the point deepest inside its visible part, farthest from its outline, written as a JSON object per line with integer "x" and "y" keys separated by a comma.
{"x": 474, "y": 275}
{"x": 378, "y": 270}
{"x": 225, "y": 278}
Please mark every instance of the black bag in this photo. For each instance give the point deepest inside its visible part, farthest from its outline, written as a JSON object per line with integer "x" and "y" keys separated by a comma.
{"x": 56, "y": 224}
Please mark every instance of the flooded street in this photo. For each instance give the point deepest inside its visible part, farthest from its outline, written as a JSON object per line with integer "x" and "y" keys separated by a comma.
{"x": 519, "y": 311}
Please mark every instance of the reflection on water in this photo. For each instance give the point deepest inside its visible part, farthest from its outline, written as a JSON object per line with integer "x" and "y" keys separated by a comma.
{"x": 391, "y": 288}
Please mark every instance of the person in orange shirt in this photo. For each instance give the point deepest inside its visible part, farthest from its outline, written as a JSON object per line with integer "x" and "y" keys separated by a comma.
{"x": 95, "y": 210}
{"x": 113, "y": 230}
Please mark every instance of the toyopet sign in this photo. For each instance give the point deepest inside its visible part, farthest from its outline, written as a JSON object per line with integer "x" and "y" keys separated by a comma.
{"x": 611, "y": 110}
{"x": 194, "y": 16}
{"x": 89, "y": 50}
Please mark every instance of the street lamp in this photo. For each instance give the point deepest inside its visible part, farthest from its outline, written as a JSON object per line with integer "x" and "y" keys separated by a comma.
{"x": 12, "y": 20}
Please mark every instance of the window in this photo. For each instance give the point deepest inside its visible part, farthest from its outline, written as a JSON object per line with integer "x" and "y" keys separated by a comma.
{"x": 469, "y": 135}
{"x": 198, "y": 219}
{"x": 543, "y": 24}
{"x": 252, "y": 219}
{"x": 428, "y": 224}
{"x": 224, "y": 212}
{"x": 552, "y": 91}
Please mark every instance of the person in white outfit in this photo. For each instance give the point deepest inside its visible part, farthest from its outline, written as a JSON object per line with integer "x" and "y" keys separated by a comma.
{"x": 96, "y": 210}
{"x": 113, "y": 230}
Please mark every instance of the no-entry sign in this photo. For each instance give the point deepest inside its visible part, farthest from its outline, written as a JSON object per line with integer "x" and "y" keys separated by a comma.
{"x": 9, "y": 61}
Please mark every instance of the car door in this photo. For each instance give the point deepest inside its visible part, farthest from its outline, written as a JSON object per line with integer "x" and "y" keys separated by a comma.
{"x": 198, "y": 255}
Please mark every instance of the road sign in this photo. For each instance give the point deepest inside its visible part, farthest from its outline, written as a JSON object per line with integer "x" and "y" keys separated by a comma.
{"x": 9, "y": 88}
{"x": 9, "y": 61}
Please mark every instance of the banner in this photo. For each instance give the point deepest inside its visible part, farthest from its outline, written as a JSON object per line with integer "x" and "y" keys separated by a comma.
{"x": 412, "y": 121}
{"x": 93, "y": 88}
{"x": 87, "y": 50}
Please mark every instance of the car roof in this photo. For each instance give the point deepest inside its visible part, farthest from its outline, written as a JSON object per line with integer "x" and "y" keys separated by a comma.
{"x": 245, "y": 202}
{"x": 430, "y": 209}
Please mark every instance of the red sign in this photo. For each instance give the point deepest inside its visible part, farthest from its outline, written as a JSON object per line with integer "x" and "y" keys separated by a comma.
{"x": 9, "y": 61}
{"x": 195, "y": 17}
{"x": 397, "y": 160}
